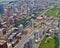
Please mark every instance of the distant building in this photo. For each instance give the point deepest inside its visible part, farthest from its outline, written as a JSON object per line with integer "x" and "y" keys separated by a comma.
{"x": 8, "y": 11}
{"x": 1, "y": 8}
{"x": 32, "y": 23}
{"x": 41, "y": 33}
{"x": 28, "y": 44}
{"x": 1, "y": 25}
{"x": 11, "y": 20}
{"x": 53, "y": 32}
{"x": 1, "y": 32}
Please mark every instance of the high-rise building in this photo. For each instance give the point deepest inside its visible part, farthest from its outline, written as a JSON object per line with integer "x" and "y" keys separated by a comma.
{"x": 8, "y": 11}
{"x": 37, "y": 36}
{"x": 32, "y": 23}
{"x": 1, "y": 8}
{"x": 28, "y": 44}
{"x": 20, "y": 28}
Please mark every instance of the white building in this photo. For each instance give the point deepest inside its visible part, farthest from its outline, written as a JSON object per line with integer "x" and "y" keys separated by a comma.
{"x": 20, "y": 28}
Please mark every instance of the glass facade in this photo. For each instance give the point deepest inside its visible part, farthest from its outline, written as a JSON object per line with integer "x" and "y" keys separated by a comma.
{"x": 1, "y": 8}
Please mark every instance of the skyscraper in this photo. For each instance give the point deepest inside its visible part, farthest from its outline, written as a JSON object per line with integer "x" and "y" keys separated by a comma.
{"x": 8, "y": 11}
{"x": 1, "y": 8}
{"x": 32, "y": 23}
{"x": 20, "y": 28}
{"x": 28, "y": 44}
{"x": 37, "y": 36}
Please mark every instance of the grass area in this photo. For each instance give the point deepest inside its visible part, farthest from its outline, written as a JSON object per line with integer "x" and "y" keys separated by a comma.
{"x": 55, "y": 12}
{"x": 51, "y": 43}
{"x": 56, "y": 42}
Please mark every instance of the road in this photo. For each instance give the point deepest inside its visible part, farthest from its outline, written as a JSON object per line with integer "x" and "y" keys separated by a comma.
{"x": 44, "y": 12}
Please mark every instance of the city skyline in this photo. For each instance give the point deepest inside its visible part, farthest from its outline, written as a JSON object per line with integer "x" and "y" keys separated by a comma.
{"x": 30, "y": 24}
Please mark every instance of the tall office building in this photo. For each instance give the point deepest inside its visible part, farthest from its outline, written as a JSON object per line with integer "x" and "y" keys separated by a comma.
{"x": 37, "y": 36}
{"x": 1, "y": 8}
{"x": 32, "y": 23}
{"x": 20, "y": 28}
{"x": 8, "y": 11}
{"x": 28, "y": 44}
